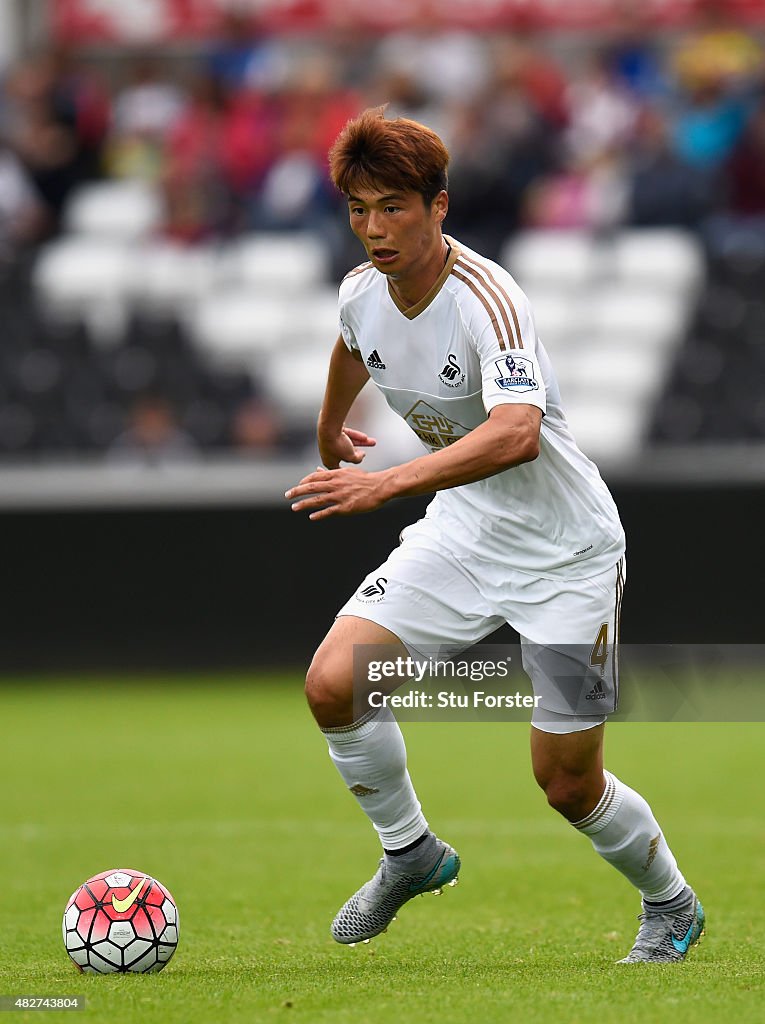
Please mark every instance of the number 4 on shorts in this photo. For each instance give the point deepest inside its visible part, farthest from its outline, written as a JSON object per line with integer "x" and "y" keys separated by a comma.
{"x": 599, "y": 653}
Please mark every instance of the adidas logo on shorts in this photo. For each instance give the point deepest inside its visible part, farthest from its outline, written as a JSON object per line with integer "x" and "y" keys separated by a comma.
{"x": 375, "y": 361}
{"x": 597, "y": 692}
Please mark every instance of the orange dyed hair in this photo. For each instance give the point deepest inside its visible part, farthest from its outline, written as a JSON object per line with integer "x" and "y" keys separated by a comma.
{"x": 399, "y": 154}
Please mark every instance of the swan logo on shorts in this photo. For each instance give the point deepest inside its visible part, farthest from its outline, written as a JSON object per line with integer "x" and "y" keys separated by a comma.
{"x": 516, "y": 373}
{"x": 374, "y": 592}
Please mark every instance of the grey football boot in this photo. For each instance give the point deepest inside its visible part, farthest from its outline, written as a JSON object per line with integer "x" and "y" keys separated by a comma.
{"x": 667, "y": 933}
{"x": 398, "y": 879}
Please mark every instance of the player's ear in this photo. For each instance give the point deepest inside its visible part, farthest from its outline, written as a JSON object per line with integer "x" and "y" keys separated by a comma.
{"x": 440, "y": 205}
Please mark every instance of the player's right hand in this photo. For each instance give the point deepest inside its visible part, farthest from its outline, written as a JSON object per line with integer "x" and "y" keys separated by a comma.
{"x": 344, "y": 447}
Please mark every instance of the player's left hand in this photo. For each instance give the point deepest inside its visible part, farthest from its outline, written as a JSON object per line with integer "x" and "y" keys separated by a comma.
{"x": 337, "y": 492}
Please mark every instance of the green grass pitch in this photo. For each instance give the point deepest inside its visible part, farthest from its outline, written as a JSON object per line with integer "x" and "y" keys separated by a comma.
{"x": 223, "y": 790}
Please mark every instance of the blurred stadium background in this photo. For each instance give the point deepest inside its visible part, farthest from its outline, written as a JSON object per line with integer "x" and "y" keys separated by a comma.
{"x": 170, "y": 249}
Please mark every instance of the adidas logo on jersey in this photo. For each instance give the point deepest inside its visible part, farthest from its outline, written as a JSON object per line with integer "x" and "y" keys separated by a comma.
{"x": 597, "y": 692}
{"x": 375, "y": 361}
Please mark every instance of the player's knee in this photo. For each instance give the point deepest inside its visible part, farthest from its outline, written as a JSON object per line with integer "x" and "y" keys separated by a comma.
{"x": 328, "y": 693}
{"x": 569, "y": 794}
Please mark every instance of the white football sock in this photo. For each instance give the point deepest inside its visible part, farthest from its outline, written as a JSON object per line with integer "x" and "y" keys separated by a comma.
{"x": 624, "y": 832}
{"x": 371, "y": 757}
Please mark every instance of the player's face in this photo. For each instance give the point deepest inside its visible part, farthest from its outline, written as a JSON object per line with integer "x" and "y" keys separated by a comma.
{"x": 401, "y": 234}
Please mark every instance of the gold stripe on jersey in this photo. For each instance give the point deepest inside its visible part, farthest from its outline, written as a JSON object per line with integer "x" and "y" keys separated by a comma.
{"x": 358, "y": 270}
{"x": 410, "y": 312}
{"x": 494, "y": 297}
{"x": 485, "y": 302}
{"x": 487, "y": 271}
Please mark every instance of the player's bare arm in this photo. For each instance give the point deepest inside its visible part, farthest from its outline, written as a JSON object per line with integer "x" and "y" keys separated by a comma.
{"x": 338, "y": 443}
{"x": 509, "y": 437}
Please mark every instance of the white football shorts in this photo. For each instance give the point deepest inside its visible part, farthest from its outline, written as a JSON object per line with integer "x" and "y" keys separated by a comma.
{"x": 439, "y": 601}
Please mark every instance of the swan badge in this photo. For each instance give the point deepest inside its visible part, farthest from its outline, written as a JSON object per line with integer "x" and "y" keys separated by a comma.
{"x": 452, "y": 374}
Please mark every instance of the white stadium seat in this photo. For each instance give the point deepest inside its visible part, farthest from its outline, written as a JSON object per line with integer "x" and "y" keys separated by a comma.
{"x": 664, "y": 258}
{"x": 237, "y": 329}
{"x": 314, "y": 318}
{"x": 562, "y": 318}
{"x": 278, "y": 263}
{"x": 566, "y": 259}
{"x": 125, "y": 210}
{"x": 611, "y": 312}
{"x": 85, "y": 278}
{"x": 296, "y": 379}
{"x": 168, "y": 277}
{"x": 648, "y": 315}
{"x": 630, "y": 371}
{"x": 606, "y": 428}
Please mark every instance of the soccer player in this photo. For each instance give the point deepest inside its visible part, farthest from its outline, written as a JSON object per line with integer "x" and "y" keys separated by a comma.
{"x": 522, "y": 530}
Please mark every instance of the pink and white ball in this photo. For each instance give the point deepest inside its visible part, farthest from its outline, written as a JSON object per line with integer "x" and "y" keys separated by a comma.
{"x": 121, "y": 921}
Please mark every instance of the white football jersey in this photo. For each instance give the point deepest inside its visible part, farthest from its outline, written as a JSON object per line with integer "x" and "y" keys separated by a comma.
{"x": 443, "y": 365}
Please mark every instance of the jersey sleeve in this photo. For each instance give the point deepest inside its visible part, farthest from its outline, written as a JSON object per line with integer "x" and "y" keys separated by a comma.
{"x": 347, "y": 334}
{"x": 345, "y": 314}
{"x": 506, "y": 345}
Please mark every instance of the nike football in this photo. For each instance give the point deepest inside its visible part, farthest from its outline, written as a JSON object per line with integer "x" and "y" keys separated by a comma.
{"x": 121, "y": 921}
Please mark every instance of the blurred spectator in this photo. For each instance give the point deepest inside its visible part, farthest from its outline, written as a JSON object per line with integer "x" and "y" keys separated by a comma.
{"x": 520, "y": 64}
{"x": 250, "y": 141}
{"x": 296, "y": 192}
{"x": 81, "y": 101}
{"x": 49, "y": 152}
{"x": 42, "y": 133}
{"x": 482, "y": 205}
{"x": 634, "y": 55}
{"x": 719, "y": 67}
{"x": 602, "y": 114}
{"x": 446, "y": 65}
{"x": 587, "y": 194}
{"x": 404, "y": 96}
{"x": 718, "y": 51}
{"x": 22, "y": 217}
{"x": 498, "y": 149}
{"x": 314, "y": 106}
{"x": 150, "y": 104}
{"x": 746, "y": 169}
{"x": 243, "y": 59}
{"x": 643, "y": 130}
{"x": 255, "y": 429}
{"x": 737, "y": 232}
{"x": 29, "y": 84}
{"x": 502, "y": 143}
{"x": 153, "y": 436}
{"x": 664, "y": 190}
{"x": 589, "y": 188}
{"x": 191, "y": 212}
{"x": 709, "y": 123}
{"x": 198, "y": 194}
{"x": 194, "y": 139}
{"x": 145, "y": 110}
